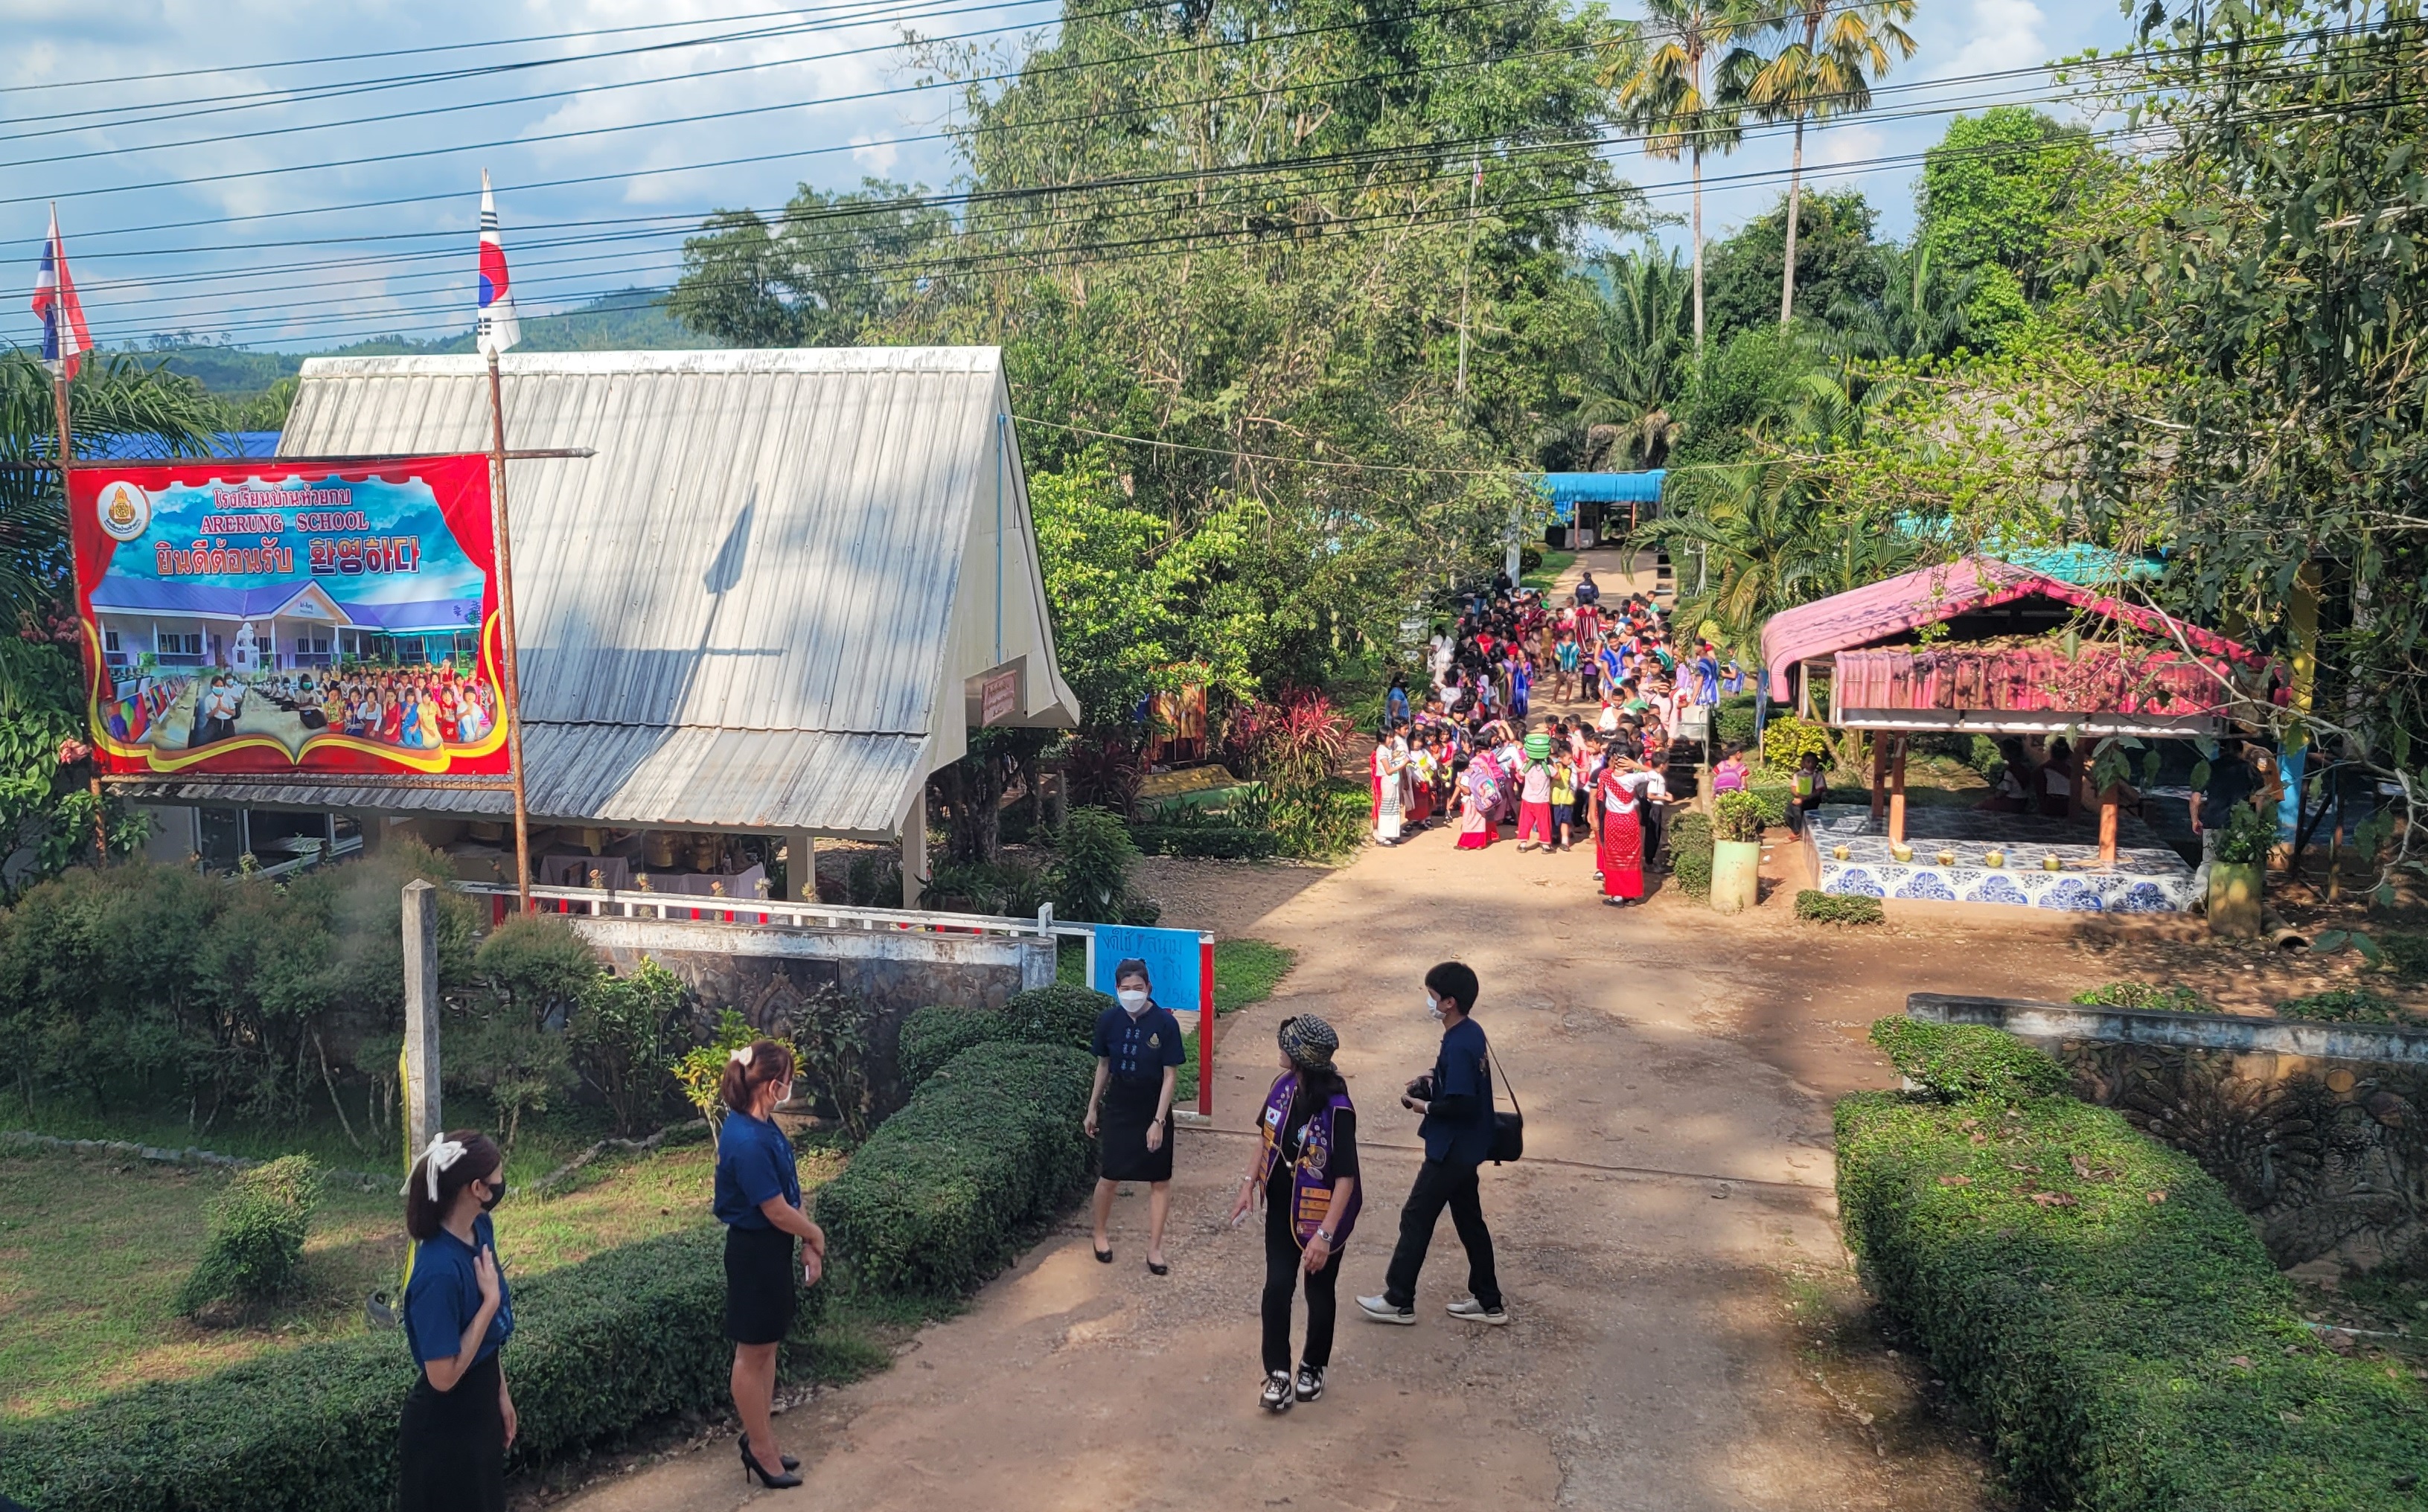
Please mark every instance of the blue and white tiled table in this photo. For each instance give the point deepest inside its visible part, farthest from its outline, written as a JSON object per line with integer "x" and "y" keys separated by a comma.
{"x": 2148, "y": 878}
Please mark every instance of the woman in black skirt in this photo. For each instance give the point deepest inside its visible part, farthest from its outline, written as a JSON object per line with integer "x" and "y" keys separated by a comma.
{"x": 759, "y": 1201}
{"x": 1137, "y": 1052}
{"x": 458, "y": 1420}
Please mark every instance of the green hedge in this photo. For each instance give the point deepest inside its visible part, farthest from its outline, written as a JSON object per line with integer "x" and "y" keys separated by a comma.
{"x": 2177, "y": 999}
{"x": 600, "y": 1346}
{"x": 1958, "y": 1063}
{"x": 932, "y": 1036}
{"x": 1687, "y": 843}
{"x": 2120, "y": 1334}
{"x": 937, "y": 1199}
{"x": 1225, "y": 842}
{"x": 1060, "y": 1014}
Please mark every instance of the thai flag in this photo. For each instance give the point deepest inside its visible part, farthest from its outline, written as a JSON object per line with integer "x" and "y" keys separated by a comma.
{"x": 65, "y": 336}
{"x": 497, "y": 329}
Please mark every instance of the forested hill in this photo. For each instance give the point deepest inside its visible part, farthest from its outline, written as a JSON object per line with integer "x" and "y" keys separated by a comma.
{"x": 620, "y": 320}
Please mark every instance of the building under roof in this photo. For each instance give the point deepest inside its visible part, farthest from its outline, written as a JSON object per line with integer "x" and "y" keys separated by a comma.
{"x": 766, "y": 602}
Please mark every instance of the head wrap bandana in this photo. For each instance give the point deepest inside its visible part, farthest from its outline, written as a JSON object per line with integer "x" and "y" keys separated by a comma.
{"x": 442, "y": 1153}
{"x": 1308, "y": 1041}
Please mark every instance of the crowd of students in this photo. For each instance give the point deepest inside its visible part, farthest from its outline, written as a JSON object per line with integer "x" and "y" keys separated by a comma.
{"x": 1470, "y": 753}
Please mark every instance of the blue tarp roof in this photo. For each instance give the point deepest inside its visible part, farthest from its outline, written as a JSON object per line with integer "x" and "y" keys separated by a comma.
{"x": 2085, "y": 566}
{"x": 1566, "y": 491}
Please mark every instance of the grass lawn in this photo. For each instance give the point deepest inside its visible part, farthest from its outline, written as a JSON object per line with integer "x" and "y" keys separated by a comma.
{"x": 92, "y": 1252}
{"x": 1554, "y": 563}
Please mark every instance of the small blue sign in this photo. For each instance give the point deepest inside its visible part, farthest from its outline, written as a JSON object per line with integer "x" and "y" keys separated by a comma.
{"x": 1171, "y": 956}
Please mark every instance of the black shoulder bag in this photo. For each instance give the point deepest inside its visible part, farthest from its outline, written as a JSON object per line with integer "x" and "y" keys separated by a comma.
{"x": 1508, "y": 1129}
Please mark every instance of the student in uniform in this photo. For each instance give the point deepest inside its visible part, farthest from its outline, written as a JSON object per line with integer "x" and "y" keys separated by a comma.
{"x": 458, "y": 1421}
{"x": 759, "y": 1201}
{"x": 1455, "y": 1101}
{"x": 1305, "y": 1172}
{"x": 1138, "y": 1056}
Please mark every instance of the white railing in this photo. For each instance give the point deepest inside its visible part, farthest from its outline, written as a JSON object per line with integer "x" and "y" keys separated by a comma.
{"x": 628, "y": 902}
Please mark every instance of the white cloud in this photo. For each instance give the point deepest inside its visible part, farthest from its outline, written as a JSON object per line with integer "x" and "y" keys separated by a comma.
{"x": 878, "y": 158}
{"x": 2002, "y": 34}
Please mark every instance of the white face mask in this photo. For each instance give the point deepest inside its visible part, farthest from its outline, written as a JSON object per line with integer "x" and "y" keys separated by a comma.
{"x": 1432, "y": 1006}
{"x": 786, "y": 1095}
{"x": 1133, "y": 1000}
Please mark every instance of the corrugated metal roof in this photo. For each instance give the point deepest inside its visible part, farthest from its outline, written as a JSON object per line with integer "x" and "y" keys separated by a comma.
{"x": 738, "y": 610}
{"x": 641, "y": 776}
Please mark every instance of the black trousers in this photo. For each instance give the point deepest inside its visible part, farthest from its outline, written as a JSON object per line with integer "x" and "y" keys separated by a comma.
{"x": 451, "y": 1445}
{"x": 1441, "y": 1185}
{"x": 1284, "y": 1264}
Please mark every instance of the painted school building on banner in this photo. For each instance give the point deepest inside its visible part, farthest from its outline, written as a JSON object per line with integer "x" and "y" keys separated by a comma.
{"x": 778, "y": 594}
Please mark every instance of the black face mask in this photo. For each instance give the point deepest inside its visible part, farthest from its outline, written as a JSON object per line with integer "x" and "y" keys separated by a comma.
{"x": 496, "y": 1193}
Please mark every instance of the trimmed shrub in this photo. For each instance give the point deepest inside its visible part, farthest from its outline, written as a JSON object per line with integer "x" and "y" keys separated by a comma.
{"x": 2108, "y": 1314}
{"x": 1773, "y": 800}
{"x": 1961, "y": 1063}
{"x": 1831, "y": 908}
{"x": 1688, "y": 843}
{"x": 1060, "y": 1014}
{"x": 1225, "y": 842}
{"x": 935, "y": 1202}
{"x": 2345, "y": 1005}
{"x": 600, "y": 1346}
{"x": 2177, "y": 1000}
{"x": 1733, "y": 721}
{"x": 934, "y": 1035}
{"x": 255, "y": 1249}
{"x": 1785, "y": 739}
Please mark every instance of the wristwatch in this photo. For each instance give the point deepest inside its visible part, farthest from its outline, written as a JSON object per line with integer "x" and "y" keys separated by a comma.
{"x": 1320, "y": 1234}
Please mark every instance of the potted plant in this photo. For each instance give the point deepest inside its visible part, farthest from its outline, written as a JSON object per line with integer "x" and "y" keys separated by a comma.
{"x": 1736, "y": 852}
{"x": 2237, "y": 869}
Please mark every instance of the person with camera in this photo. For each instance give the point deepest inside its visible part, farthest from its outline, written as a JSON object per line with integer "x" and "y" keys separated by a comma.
{"x": 1456, "y": 1102}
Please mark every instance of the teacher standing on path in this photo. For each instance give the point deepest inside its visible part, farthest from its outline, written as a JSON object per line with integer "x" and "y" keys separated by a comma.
{"x": 1138, "y": 1060}
{"x": 759, "y": 1201}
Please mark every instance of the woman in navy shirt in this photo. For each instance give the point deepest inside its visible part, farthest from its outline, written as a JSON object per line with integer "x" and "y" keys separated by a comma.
{"x": 459, "y": 1420}
{"x": 1137, "y": 1052}
{"x": 759, "y": 1201}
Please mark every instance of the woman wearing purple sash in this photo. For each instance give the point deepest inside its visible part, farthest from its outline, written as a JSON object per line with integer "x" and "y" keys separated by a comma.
{"x": 1307, "y": 1172}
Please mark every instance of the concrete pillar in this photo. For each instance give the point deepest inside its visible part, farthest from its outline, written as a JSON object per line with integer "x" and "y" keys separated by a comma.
{"x": 914, "y": 847}
{"x": 421, "y": 1113}
{"x": 800, "y": 866}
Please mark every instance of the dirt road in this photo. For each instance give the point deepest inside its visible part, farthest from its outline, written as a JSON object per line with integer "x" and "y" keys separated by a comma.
{"x": 1667, "y": 1248}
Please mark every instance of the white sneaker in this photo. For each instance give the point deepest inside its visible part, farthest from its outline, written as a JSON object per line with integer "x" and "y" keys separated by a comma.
{"x": 1277, "y": 1396}
{"x": 1381, "y": 1310}
{"x": 1473, "y": 1312}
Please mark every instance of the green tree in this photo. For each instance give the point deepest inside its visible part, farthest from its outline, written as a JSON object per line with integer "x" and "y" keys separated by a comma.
{"x": 1637, "y": 371}
{"x": 827, "y": 268}
{"x": 1837, "y": 259}
{"x": 1997, "y": 187}
{"x": 1830, "y": 52}
{"x": 1683, "y": 90}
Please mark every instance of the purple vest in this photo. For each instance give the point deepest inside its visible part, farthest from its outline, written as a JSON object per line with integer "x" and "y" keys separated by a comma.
{"x": 1311, "y": 1177}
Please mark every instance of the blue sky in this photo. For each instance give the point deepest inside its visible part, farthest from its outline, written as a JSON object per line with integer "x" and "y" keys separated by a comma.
{"x": 249, "y": 248}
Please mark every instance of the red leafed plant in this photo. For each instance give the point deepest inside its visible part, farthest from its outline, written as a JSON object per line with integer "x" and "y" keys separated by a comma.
{"x": 1296, "y": 741}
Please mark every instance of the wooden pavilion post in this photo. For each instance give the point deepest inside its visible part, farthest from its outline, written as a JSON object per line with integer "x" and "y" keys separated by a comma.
{"x": 1897, "y": 796}
{"x": 2107, "y": 808}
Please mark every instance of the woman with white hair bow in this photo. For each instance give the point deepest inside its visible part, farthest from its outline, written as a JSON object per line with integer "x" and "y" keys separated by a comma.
{"x": 459, "y": 1420}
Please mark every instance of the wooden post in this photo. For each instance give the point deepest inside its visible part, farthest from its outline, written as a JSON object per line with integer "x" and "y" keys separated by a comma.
{"x": 1897, "y": 796}
{"x": 420, "y": 1016}
{"x": 2108, "y": 827}
{"x": 801, "y": 865}
{"x": 508, "y": 653}
{"x": 1879, "y": 776}
{"x": 914, "y": 846}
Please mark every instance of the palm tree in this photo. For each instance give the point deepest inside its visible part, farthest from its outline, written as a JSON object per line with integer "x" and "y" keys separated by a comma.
{"x": 1920, "y": 312}
{"x": 1640, "y": 366}
{"x": 1685, "y": 93}
{"x": 1830, "y": 53}
{"x": 1764, "y": 539}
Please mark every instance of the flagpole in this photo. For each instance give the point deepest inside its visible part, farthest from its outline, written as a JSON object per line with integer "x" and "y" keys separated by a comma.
{"x": 506, "y": 623}
{"x": 59, "y": 404}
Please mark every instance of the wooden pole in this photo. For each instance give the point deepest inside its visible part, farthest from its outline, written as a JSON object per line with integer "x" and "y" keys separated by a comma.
{"x": 507, "y": 670}
{"x": 2108, "y": 827}
{"x": 1897, "y": 796}
{"x": 1879, "y": 776}
{"x": 101, "y": 669}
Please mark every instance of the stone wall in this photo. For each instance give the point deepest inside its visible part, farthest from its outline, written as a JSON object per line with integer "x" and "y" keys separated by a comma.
{"x": 765, "y": 973}
{"x": 2318, "y": 1130}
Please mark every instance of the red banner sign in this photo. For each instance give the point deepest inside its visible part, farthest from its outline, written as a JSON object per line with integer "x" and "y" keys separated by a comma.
{"x": 266, "y": 617}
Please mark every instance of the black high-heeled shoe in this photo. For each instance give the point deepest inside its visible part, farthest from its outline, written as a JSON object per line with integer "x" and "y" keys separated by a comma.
{"x": 750, "y": 1467}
